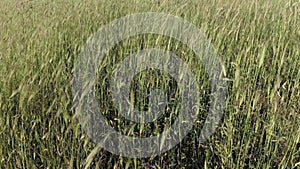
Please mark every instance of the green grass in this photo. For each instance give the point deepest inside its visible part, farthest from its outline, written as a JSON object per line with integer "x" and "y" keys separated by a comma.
{"x": 258, "y": 41}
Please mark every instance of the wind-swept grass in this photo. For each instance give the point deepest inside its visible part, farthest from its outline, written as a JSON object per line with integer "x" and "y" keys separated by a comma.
{"x": 258, "y": 42}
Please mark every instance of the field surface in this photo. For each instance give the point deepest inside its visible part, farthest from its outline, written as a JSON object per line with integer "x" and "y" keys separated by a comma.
{"x": 259, "y": 45}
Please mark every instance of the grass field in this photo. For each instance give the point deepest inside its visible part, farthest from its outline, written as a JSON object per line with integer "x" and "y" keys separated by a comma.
{"x": 258, "y": 42}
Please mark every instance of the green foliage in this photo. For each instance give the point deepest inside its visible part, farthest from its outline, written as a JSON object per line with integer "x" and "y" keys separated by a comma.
{"x": 258, "y": 42}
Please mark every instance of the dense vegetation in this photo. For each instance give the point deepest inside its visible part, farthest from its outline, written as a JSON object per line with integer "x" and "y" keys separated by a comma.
{"x": 258, "y": 42}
